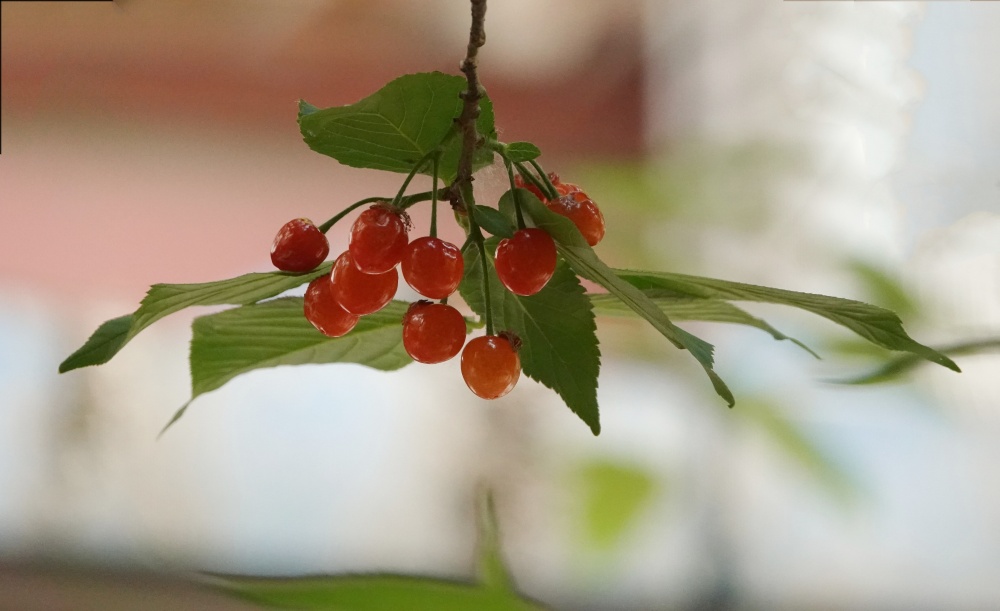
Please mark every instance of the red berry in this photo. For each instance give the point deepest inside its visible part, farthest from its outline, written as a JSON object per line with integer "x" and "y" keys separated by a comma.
{"x": 526, "y": 261}
{"x": 323, "y": 311}
{"x": 584, "y": 213}
{"x": 299, "y": 246}
{"x": 433, "y": 332}
{"x": 490, "y": 366}
{"x": 358, "y": 292}
{"x": 521, "y": 183}
{"x": 378, "y": 238}
{"x": 432, "y": 267}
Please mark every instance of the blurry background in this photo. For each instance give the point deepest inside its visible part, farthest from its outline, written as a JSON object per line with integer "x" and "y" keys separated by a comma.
{"x": 842, "y": 148}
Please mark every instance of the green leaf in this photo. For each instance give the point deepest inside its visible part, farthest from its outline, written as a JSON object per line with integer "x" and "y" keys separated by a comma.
{"x": 689, "y": 308}
{"x": 796, "y": 445}
{"x": 613, "y": 495}
{"x": 274, "y": 333}
{"x": 877, "y": 325}
{"x": 520, "y": 152}
{"x": 165, "y": 299}
{"x": 372, "y": 593}
{"x": 493, "y": 573}
{"x": 494, "y": 222}
{"x": 556, "y": 327}
{"x": 397, "y": 125}
{"x": 896, "y": 368}
{"x": 581, "y": 257}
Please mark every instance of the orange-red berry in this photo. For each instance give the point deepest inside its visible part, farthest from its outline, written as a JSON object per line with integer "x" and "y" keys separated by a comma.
{"x": 324, "y": 312}
{"x": 299, "y": 246}
{"x": 526, "y": 261}
{"x": 490, "y": 366}
{"x": 360, "y": 293}
{"x": 433, "y": 332}
{"x": 378, "y": 238}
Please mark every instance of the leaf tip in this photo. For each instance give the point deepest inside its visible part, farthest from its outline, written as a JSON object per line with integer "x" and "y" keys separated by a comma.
{"x": 177, "y": 416}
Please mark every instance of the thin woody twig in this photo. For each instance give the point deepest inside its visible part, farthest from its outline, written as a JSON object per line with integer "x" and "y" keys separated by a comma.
{"x": 471, "y": 97}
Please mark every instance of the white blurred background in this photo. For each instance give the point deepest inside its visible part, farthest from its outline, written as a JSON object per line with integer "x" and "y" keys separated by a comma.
{"x": 845, "y": 148}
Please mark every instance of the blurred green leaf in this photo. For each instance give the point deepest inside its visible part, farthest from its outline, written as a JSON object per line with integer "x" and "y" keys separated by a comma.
{"x": 397, "y": 125}
{"x": 574, "y": 248}
{"x": 796, "y": 445}
{"x": 165, "y": 299}
{"x": 519, "y": 152}
{"x": 493, "y": 572}
{"x": 883, "y": 288}
{"x": 613, "y": 496}
{"x": 556, "y": 326}
{"x": 494, "y": 222}
{"x": 687, "y": 308}
{"x": 894, "y": 369}
{"x": 875, "y": 324}
{"x": 373, "y": 593}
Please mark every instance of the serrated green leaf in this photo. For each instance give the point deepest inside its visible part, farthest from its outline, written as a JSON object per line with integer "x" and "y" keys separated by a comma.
{"x": 520, "y": 152}
{"x": 877, "y": 325}
{"x": 689, "y": 308}
{"x": 372, "y": 593}
{"x": 493, "y": 221}
{"x": 557, "y": 329}
{"x": 574, "y": 248}
{"x": 397, "y": 125}
{"x": 273, "y": 333}
{"x": 165, "y": 299}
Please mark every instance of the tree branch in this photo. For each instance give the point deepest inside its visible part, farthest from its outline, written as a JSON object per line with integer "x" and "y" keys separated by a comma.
{"x": 471, "y": 97}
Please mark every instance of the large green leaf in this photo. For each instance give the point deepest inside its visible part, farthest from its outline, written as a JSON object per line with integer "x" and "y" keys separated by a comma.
{"x": 584, "y": 261}
{"x": 877, "y": 325}
{"x": 690, "y": 308}
{"x": 165, "y": 299}
{"x": 556, "y": 327}
{"x": 373, "y": 593}
{"x": 274, "y": 333}
{"x": 397, "y": 125}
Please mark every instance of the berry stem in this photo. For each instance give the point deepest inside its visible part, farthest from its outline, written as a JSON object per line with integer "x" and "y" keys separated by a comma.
{"x": 404, "y": 203}
{"x": 476, "y": 235}
{"x": 517, "y": 196}
{"x": 434, "y": 195}
{"x": 530, "y": 177}
{"x": 416, "y": 168}
{"x": 551, "y": 188}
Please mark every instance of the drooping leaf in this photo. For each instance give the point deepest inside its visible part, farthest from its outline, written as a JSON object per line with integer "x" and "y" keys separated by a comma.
{"x": 165, "y": 299}
{"x": 557, "y": 329}
{"x": 274, "y": 333}
{"x": 574, "y": 248}
{"x": 372, "y": 593}
{"x": 877, "y": 325}
{"x": 397, "y": 125}
{"x": 689, "y": 308}
{"x": 493, "y": 573}
{"x": 895, "y": 368}
{"x": 520, "y": 152}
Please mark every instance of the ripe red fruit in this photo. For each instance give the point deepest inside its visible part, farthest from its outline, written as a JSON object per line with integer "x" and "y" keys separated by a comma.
{"x": 323, "y": 311}
{"x": 490, "y": 366}
{"x": 378, "y": 238}
{"x": 433, "y": 332}
{"x": 432, "y": 267}
{"x": 299, "y": 246}
{"x": 360, "y": 293}
{"x": 521, "y": 183}
{"x": 584, "y": 213}
{"x": 526, "y": 261}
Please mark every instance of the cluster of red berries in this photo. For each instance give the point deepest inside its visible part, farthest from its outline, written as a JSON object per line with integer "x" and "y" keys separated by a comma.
{"x": 364, "y": 279}
{"x": 573, "y": 203}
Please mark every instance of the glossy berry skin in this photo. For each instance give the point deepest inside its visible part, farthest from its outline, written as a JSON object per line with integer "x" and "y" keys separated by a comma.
{"x": 299, "y": 246}
{"x": 526, "y": 261}
{"x": 360, "y": 293}
{"x": 584, "y": 213}
{"x": 378, "y": 239}
{"x": 433, "y": 332}
{"x": 490, "y": 366}
{"x": 323, "y": 311}
{"x": 432, "y": 267}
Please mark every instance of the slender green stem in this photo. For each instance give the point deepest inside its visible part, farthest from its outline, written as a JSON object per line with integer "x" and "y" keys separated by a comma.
{"x": 517, "y": 196}
{"x": 434, "y": 195}
{"x": 409, "y": 200}
{"x": 368, "y": 200}
{"x": 476, "y": 235}
{"x": 416, "y": 168}
{"x": 551, "y": 188}
{"x": 530, "y": 177}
